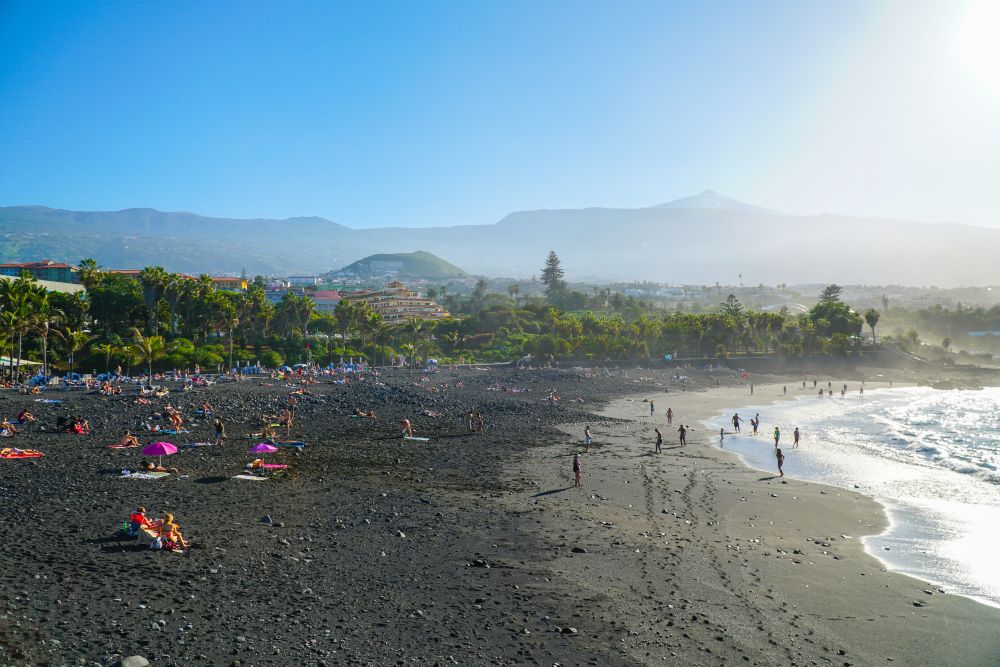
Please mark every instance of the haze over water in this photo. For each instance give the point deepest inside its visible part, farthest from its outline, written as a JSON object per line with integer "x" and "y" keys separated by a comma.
{"x": 930, "y": 457}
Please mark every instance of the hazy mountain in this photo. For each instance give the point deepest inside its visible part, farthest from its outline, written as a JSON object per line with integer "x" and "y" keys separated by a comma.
{"x": 404, "y": 265}
{"x": 701, "y": 239}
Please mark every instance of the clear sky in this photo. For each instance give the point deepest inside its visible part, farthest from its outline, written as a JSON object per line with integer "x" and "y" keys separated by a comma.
{"x": 442, "y": 113}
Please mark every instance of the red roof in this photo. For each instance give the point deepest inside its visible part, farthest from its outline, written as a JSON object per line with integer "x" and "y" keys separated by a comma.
{"x": 44, "y": 264}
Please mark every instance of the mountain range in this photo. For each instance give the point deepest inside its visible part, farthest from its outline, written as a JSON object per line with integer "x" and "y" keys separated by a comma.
{"x": 706, "y": 238}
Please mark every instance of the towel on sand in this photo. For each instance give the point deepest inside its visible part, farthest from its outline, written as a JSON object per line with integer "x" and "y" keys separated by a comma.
{"x": 253, "y": 478}
{"x": 192, "y": 445}
{"x": 9, "y": 453}
{"x": 117, "y": 446}
{"x": 145, "y": 475}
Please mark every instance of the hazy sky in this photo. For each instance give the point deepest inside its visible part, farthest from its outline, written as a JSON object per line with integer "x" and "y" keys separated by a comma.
{"x": 420, "y": 113}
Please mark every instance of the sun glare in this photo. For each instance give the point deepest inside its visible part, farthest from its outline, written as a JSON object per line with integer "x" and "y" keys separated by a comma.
{"x": 980, "y": 42}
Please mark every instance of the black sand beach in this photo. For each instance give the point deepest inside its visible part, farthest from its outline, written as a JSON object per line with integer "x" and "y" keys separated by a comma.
{"x": 375, "y": 550}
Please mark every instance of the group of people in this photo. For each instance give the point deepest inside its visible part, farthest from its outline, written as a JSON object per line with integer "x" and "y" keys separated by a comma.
{"x": 163, "y": 533}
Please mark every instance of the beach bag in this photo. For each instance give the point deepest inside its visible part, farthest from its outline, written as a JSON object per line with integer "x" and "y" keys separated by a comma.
{"x": 156, "y": 544}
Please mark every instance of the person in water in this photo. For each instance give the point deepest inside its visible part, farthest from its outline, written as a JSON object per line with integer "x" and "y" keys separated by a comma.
{"x": 796, "y": 436}
{"x": 736, "y": 422}
{"x": 777, "y": 436}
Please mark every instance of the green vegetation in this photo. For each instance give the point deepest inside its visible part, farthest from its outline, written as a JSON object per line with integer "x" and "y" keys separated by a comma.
{"x": 405, "y": 265}
{"x": 163, "y": 320}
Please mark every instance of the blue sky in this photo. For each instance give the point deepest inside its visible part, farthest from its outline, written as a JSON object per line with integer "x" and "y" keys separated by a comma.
{"x": 437, "y": 113}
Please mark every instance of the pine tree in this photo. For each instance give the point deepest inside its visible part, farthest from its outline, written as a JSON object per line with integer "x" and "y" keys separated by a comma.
{"x": 552, "y": 277}
{"x": 830, "y": 294}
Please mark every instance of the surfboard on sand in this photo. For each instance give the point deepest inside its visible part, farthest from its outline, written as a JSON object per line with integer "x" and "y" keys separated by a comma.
{"x": 418, "y": 439}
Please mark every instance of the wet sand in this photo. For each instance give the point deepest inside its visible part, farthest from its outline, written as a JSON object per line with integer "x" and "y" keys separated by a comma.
{"x": 456, "y": 551}
{"x": 699, "y": 559}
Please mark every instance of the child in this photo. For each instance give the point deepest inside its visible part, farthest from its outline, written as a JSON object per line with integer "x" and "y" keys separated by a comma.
{"x": 722, "y": 434}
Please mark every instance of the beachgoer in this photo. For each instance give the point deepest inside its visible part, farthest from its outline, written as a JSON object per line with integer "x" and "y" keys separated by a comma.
{"x": 821, "y": 393}
{"x": 650, "y": 408}
{"x": 137, "y": 521}
{"x": 220, "y": 431}
{"x": 781, "y": 461}
{"x": 814, "y": 384}
{"x": 480, "y": 422}
{"x": 469, "y": 421}
{"x": 577, "y": 469}
{"x": 128, "y": 440}
{"x": 683, "y": 435}
{"x": 777, "y": 436}
{"x": 796, "y": 436}
{"x": 25, "y": 417}
{"x": 861, "y": 392}
{"x": 659, "y": 440}
{"x": 670, "y": 417}
{"x": 736, "y": 422}
{"x": 586, "y": 436}
{"x": 785, "y": 390}
{"x": 407, "y": 428}
{"x": 722, "y": 434}
{"x": 751, "y": 388}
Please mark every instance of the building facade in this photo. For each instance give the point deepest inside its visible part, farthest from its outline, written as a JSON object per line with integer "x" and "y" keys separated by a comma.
{"x": 46, "y": 269}
{"x": 395, "y": 303}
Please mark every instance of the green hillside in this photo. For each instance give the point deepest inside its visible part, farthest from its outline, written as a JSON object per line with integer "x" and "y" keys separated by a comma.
{"x": 405, "y": 265}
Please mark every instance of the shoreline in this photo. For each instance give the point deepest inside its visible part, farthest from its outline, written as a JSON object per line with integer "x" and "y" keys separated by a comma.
{"x": 801, "y": 541}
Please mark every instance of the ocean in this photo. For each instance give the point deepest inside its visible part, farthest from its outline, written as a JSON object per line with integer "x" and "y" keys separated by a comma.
{"x": 930, "y": 457}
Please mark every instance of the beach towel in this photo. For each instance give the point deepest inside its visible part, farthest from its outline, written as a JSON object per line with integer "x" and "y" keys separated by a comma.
{"x": 252, "y": 478}
{"x": 170, "y": 431}
{"x": 299, "y": 445}
{"x": 8, "y": 453}
{"x": 47, "y": 400}
{"x": 270, "y": 466}
{"x": 117, "y": 446}
{"x": 192, "y": 445}
{"x": 146, "y": 475}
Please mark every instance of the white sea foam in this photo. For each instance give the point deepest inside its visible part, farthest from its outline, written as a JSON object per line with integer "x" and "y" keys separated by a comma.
{"x": 930, "y": 457}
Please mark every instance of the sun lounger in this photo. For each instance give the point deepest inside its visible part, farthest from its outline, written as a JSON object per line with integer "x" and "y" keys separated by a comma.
{"x": 146, "y": 475}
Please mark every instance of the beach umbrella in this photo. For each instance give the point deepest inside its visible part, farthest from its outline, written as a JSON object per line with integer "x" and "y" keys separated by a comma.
{"x": 160, "y": 449}
{"x": 263, "y": 448}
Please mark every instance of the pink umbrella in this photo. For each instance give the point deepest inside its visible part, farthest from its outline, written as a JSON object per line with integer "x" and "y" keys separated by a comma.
{"x": 263, "y": 448}
{"x": 160, "y": 449}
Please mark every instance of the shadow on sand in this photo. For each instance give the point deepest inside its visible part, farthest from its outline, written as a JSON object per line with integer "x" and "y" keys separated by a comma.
{"x": 551, "y": 491}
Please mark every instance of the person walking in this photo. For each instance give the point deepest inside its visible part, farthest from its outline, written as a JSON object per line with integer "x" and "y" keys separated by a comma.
{"x": 777, "y": 436}
{"x": 659, "y": 440}
{"x": 781, "y": 461}
{"x": 670, "y": 417}
{"x": 796, "y": 436}
{"x": 586, "y": 436}
{"x": 683, "y": 435}
{"x": 220, "y": 431}
{"x": 651, "y": 408}
{"x": 577, "y": 469}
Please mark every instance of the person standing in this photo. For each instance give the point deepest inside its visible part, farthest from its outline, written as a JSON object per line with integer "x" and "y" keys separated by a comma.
{"x": 577, "y": 469}
{"x": 659, "y": 440}
{"x": 785, "y": 390}
{"x": 670, "y": 417}
{"x": 796, "y": 437}
{"x": 651, "y": 408}
{"x": 736, "y": 422}
{"x": 683, "y": 435}
{"x": 781, "y": 461}
{"x": 722, "y": 435}
{"x": 777, "y": 436}
{"x": 480, "y": 422}
{"x": 407, "y": 428}
{"x": 586, "y": 436}
{"x": 220, "y": 431}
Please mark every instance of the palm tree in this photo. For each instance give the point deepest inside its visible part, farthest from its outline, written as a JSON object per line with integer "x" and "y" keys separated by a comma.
{"x": 515, "y": 292}
{"x": 154, "y": 281}
{"x": 415, "y": 329}
{"x": 108, "y": 350}
{"x": 75, "y": 340}
{"x": 872, "y": 317}
{"x": 90, "y": 273}
{"x": 148, "y": 348}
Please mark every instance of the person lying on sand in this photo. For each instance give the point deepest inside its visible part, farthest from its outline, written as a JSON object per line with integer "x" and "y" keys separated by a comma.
{"x": 152, "y": 467}
{"x": 128, "y": 440}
